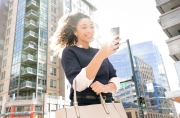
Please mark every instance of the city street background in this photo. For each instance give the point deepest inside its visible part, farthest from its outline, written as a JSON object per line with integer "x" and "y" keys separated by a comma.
{"x": 138, "y": 21}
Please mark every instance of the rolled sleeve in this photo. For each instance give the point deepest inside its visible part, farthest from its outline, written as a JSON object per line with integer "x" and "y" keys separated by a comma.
{"x": 116, "y": 81}
{"x": 82, "y": 82}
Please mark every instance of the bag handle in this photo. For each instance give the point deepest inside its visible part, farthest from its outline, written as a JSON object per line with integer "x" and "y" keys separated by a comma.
{"x": 76, "y": 103}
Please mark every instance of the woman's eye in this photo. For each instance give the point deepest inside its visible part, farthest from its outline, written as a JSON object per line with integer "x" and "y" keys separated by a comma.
{"x": 83, "y": 27}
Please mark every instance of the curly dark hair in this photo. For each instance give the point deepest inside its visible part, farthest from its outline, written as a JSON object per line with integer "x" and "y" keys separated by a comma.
{"x": 64, "y": 34}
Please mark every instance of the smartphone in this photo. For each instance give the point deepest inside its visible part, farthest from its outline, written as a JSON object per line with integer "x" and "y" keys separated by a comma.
{"x": 115, "y": 34}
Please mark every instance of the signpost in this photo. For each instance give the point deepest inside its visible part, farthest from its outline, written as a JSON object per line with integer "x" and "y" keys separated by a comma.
{"x": 135, "y": 81}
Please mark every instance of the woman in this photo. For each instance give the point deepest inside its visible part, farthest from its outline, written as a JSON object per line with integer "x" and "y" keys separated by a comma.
{"x": 90, "y": 67}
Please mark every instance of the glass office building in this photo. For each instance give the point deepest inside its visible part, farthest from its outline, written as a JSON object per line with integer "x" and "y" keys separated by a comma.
{"x": 148, "y": 52}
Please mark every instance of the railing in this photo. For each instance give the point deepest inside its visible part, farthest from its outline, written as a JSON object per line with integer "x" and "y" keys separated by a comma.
{"x": 31, "y": 22}
{"x": 29, "y": 70}
{"x": 28, "y": 83}
{"x": 30, "y": 45}
{"x": 160, "y": 2}
{"x": 41, "y": 86}
{"x": 32, "y": 11}
{"x": 33, "y": 2}
{"x": 41, "y": 72}
{"x": 170, "y": 18}
{"x": 31, "y": 33}
{"x": 55, "y": 97}
{"x": 31, "y": 57}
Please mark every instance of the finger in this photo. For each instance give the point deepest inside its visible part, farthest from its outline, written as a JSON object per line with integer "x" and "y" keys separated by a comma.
{"x": 99, "y": 91}
{"x": 116, "y": 41}
{"x": 117, "y": 45}
{"x": 94, "y": 84}
{"x": 97, "y": 87}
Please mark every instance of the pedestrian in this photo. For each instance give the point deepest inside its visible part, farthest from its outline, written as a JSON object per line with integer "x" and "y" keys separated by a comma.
{"x": 90, "y": 67}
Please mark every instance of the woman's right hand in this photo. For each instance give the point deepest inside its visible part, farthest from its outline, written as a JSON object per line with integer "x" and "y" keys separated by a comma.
{"x": 109, "y": 48}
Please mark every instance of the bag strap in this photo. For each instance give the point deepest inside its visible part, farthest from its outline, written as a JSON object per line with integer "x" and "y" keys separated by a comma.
{"x": 76, "y": 103}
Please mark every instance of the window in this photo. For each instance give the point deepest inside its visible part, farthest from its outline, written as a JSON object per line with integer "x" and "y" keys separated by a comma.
{"x": 53, "y": 59}
{"x": 4, "y": 63}
{"x": 1, "y": 42}
{"x": 3, "y": 75}
{"x": 53, "y": 28}
{"x": 3, "y": 32}
{"x": 8, "y": 31}
{"x": 1, "y": 54}
{"x": 1, "y": 87}
{"x": 67, "y": 4}
{"x": 53, "y": 1}
{"x": 5, "y": 13}
{"x": 53, "y": 83}
{"x": 53, "y": 9}
{"x": 4, "y": 23}
{"x": 11, "y": 4}
{"x": 5, "y": 52}
{"x": 10, "y": 12}
{"x": 7, "y": 41}
{"x": 9, "y": 22}
{"x": 41, "y": 81}
{"x": 6, "y": 4}
{"x": 53, "y": 71}
{"x": 53, "y": 18}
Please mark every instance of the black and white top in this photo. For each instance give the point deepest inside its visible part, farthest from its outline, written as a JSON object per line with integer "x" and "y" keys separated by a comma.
{"x": 75, "y": 59}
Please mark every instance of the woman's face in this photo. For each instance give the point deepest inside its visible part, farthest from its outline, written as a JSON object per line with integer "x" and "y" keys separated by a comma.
{"x": 84, "y": 30}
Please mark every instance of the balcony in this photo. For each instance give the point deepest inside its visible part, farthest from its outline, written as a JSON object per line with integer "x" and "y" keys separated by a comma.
{"x": 31, "y": 24}
{"x": 30, "y": 47}
{"x": 26, "y": 85}
{"x": 167, "y": 5}
{"x": 30, "y": 35}
{"x": 29, "y": 72}
{"x": 32, "y": 14}
{"x": 32, "y": 4}
{"x": 170, "y": 22}
{"x": 29, "y": 59}
{"x": 160, "y": 2}
{"x": 174, "y": 47}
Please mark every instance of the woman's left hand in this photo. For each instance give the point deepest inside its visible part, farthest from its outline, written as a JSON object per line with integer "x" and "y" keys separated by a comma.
{"x": 98, "y": 88}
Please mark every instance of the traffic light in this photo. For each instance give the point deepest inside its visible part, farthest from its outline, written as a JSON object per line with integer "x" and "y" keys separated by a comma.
{"x": 142, "y": 102}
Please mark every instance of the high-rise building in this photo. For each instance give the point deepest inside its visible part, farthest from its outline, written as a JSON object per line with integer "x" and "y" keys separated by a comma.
{"x": 144, "y": 76}
{"x": 170, "y": 23}
{"x": 150, "y": 54}
{"x": 29, "y": 68}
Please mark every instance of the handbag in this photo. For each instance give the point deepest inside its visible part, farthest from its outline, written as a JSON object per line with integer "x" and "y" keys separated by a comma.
{"x": 103, "y": 110}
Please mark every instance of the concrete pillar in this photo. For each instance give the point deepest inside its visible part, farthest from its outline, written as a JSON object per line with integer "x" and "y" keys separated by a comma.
{"x": 4, "y": 101}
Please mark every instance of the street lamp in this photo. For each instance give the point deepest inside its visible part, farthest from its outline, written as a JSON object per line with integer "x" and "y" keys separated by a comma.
{"x": 134, "y": 79}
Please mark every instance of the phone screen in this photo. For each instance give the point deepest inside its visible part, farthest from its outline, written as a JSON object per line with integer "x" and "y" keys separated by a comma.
{"x": 115, "y": 32}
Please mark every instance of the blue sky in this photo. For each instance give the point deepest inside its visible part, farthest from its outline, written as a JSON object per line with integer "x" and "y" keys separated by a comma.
{"x": 138, "y": 22}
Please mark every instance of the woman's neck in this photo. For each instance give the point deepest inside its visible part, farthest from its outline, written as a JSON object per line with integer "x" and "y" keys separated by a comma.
{"x": 84, "y": 45}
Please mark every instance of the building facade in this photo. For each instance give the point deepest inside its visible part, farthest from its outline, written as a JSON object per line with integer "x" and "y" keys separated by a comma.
{"x": 170, "y": 23}
{"x": 3, "y": 24}
{"x": 149, "y": 53}
{"x": 29, "y": 68}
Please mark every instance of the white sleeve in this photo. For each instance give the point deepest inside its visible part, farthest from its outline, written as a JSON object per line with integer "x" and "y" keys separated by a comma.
{"x": 116, "y": 81}
{"x": 82, "y": 82}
